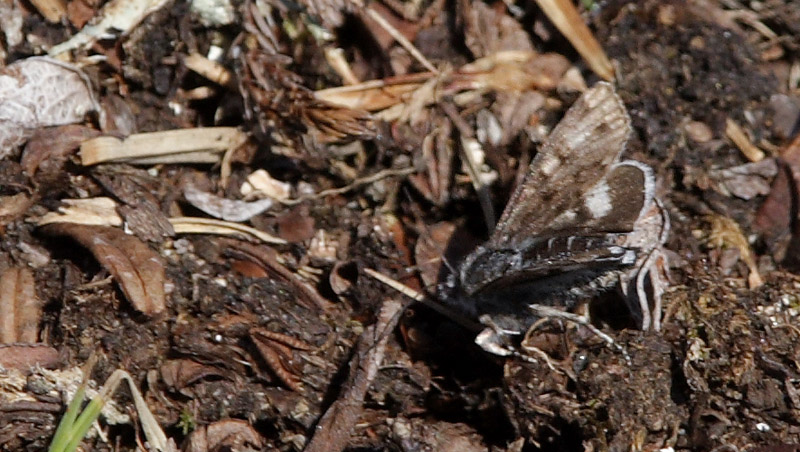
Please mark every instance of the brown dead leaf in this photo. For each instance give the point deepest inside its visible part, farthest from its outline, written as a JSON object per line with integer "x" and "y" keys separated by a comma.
{"x": 180, "y": 373}
{"x": 278, "y": 351}
{"x": 20, "y": 309}
{"x": 49, "y": 148}
{"x": 139, "y": 271}
{"x": 296, "y": 225}
{"x": 267, "y": 258}
{"x": 13, "y": 207}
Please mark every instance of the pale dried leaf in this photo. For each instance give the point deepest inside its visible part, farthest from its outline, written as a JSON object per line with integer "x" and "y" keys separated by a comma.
{"x": 746, "y": 181}
{"x": 116, "y": 15}
{"x": 226, "y": 209}
{"x": 137, "y": 269}
{"x": 40, "y": 92}
{"x": 20, "y": 309}
{"x": 192, "y": 225}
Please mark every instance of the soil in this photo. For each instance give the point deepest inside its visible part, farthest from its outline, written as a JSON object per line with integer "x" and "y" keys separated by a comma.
{"x": 257, "y": 343}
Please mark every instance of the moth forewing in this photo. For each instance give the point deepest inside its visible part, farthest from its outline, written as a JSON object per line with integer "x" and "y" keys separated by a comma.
{"x": 575, "y": 157}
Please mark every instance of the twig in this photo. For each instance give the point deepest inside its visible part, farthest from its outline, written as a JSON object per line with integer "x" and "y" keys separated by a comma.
{"x": 393, "y": 32}
{"x": 332, "y": 433}
{"x": 383, "y": 174}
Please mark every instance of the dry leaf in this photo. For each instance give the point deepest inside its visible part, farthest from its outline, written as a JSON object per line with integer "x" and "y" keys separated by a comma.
{"x": 745, "y": 181}
{"x": 40, "y": 92}
{"x": 296, "y": 225}
{"x": 20, "y": 309}
{"x": 138, "y": 270}
{"x": 13, "y": 207}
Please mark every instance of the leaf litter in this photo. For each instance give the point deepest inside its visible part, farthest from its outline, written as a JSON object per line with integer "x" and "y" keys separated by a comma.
{"x": 343, "y": 129}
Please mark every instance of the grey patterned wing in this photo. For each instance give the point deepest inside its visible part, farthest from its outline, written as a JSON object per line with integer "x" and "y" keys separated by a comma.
{"x": 574, "y": 161}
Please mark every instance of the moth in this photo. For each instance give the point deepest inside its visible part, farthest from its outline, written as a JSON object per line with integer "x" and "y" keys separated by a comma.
{"x": 581, "y": 222}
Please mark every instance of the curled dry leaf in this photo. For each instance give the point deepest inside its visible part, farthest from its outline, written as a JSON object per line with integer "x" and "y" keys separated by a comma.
{"x": 726, "y": 233}
{"x": 20, "y": 309}
{"x": 226, "y": 209}
{"x": 229, "y": 434}
{"x": 40, "y": 92}
{"x": 139, "y": 271}
{"x": 180, "y": 373}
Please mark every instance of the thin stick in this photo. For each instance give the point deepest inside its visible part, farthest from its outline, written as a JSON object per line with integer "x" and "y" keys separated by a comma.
{"x": 393, "y": 32}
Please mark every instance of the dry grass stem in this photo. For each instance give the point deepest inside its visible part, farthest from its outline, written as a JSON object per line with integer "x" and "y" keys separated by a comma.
{"x": 568, "y": 21}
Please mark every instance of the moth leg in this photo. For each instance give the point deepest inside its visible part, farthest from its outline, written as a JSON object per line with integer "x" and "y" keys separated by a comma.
{"x": 655, "y": 269}
{"x": 494, "y": 339}
{"x": 551, "y": 312}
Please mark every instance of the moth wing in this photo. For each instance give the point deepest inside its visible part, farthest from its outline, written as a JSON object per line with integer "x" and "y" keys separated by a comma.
{"x": 575, "y": 158}
{"x": 538, "y": 259}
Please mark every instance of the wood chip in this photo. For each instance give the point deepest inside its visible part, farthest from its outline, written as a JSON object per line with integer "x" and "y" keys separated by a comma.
{"x": 209, "y": 69}
{"x": 740, "y": 139}
{"x": 100, "y": 211}
{"x": 25, "y": 356}
{"x": 201, "y": 145}
{"x": 52, "y": 10}
{"x": 20, "y": 309}
{"x": 138, "y": 270}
